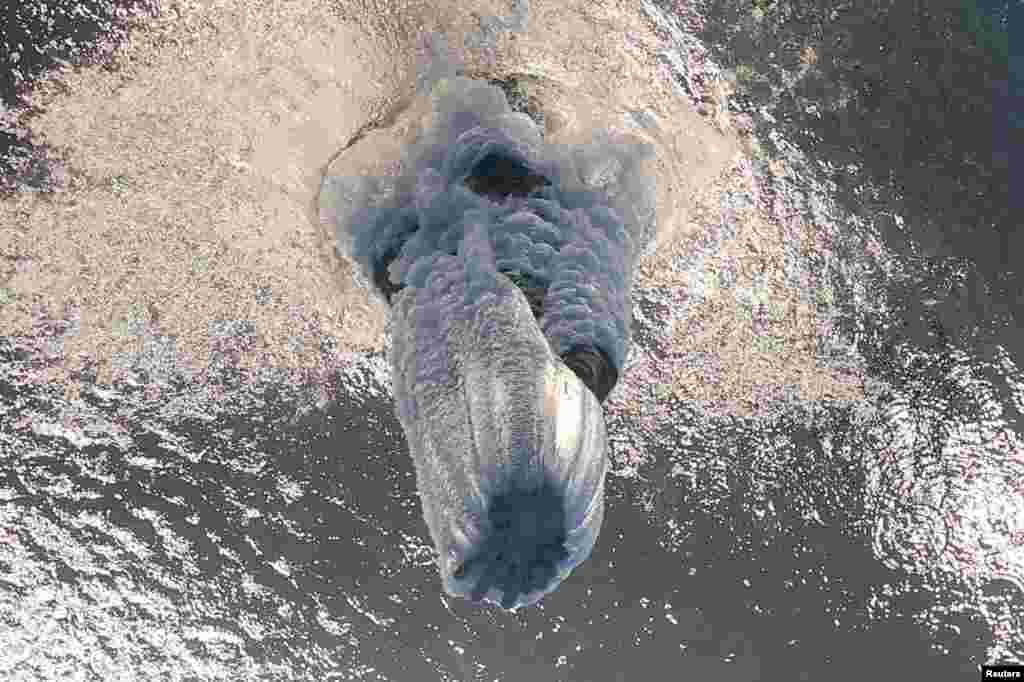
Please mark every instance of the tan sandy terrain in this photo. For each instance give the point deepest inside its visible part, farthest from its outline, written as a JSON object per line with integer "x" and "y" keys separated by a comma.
{"x": 194, "y": 167}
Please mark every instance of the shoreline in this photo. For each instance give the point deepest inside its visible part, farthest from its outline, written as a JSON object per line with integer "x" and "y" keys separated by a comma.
{"x": 260, "y": 290}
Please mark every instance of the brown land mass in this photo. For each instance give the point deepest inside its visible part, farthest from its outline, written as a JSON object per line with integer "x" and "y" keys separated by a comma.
{"x": 194, "y": 166}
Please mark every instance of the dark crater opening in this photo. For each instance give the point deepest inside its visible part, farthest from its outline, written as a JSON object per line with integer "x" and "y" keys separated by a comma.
{"x": 497, "y": 177}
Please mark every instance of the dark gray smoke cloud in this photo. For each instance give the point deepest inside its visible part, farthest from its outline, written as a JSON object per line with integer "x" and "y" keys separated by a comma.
{"x": 504, "y": 258}
{"x": 571, "y": 220}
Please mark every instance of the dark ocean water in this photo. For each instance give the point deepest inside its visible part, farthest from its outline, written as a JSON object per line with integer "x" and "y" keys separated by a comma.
{"x": 260, "y": 531}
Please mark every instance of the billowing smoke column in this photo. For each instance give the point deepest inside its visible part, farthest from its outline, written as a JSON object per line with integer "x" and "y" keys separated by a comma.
{"x": 507, "y": 263}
